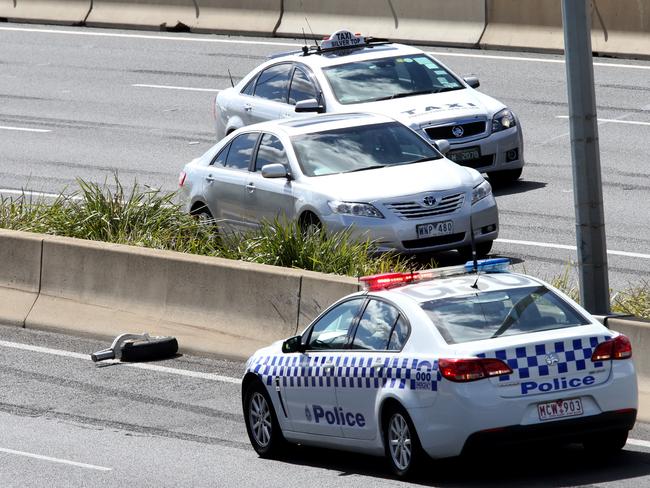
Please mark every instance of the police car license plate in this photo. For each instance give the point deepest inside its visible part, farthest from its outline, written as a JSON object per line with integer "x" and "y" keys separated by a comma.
{"x": 462, "y": 155}
{"x": 560, "y": 408}
{"x": 435, "y": 229}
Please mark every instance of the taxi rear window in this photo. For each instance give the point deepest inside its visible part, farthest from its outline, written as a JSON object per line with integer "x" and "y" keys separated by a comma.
{"x": 492, "y": 314}
{"x": 388, "y": 78}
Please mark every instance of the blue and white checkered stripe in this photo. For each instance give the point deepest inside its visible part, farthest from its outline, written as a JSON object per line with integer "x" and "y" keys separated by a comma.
{"x": 350, "y": 371}
{"x": 574, "y": 355}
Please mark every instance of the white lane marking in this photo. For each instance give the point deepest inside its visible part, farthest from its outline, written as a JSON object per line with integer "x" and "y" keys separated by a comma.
{"x": 168, "y": 87}
{"x": 611, "y": 121}
{"x": 55, "y": 460}
{"x": 39, "y": 194}
{"x": 23, "y": 129}
{"x": 152, "y": 37}
{"x": 638, "y": 442}
{"x": 296, "y": 45}
{"x": 150, "y": 367}
{"x": 570, "y": 248}
{"x": 536, "y": 60}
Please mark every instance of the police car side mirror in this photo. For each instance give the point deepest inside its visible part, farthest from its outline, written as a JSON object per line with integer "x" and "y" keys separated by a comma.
{"x": 275, "y": 170}
{"x": 442, "y": 145}
{"x": 309, "y": 105}
{"x": 293, "y": 344}
{"x": 472, "y": 81}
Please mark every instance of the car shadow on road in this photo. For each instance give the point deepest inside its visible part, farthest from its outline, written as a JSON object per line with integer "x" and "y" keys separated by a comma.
{"x": 519, "y": 186}
{"x": 501, "y": 467}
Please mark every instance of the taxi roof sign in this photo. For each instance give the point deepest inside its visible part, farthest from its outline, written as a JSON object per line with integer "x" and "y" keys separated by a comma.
{"x": 342, "y": 39}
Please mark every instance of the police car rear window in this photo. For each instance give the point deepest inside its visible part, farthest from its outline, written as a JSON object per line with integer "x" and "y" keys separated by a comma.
{"x": 492, "y": 314}
{"x": 388, "y": 78}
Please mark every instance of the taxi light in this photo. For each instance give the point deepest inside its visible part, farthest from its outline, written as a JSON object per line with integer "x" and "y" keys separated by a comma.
{"x": 388, "y": 280}
{"x": 617, "y": 348}
{"x": 181, "y": 179}
{"x": 472, "y": 369}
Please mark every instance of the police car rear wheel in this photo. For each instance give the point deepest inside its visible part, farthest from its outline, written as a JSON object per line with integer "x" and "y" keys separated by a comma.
{"x": 402, "y": 444}
{"x": 607, "y": 443}
{"x": 261, "y": 423}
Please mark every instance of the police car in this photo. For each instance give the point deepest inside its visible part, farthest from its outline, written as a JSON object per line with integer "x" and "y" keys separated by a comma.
{"x": 351, "y": 73}
{"x": 440, "y": 362}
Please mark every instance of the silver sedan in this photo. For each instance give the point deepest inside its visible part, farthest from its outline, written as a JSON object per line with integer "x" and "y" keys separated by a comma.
{"x": 367, "y": 173}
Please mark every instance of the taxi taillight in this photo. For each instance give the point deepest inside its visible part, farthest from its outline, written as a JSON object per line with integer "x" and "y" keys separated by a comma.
{"x": 617, "y": 348}
{"x": 472, "y": 369}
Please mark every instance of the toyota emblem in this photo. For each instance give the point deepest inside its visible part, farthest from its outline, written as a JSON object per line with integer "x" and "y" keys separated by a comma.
{"x": 457, "y": 131}
{"x": 429, "y": 201}
{"x": 552, "y": 359}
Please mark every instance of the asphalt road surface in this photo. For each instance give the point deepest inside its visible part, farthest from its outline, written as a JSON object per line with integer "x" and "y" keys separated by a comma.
{"x": 67, "y": 422}
{"x": 85, "y": 103}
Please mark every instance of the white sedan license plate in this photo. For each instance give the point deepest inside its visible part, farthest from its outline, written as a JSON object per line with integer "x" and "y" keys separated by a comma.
{"x": 560, "y": 408}
{"x": 435, "y": 229}
{"x": 462, "y": 155}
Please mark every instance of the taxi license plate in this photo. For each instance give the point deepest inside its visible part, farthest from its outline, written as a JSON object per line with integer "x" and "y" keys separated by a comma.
{"x": 462, "y": 155}
{"x": 435, "y": 229}
{"x": 560, "y": 408}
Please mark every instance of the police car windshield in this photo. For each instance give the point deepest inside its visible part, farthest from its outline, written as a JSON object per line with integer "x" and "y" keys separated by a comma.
{"x": 500, "y": 313}
{"x": 360, "y": 148}
{"x": 387, "y": 78}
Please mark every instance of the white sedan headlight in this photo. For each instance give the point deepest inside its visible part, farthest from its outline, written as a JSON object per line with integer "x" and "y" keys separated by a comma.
{"x": 481, "y": 191}
{"x": 354, "y": 208}
{"x": 503, "y": 120}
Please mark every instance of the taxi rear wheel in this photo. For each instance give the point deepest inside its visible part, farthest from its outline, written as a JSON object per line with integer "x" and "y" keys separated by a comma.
{"x": 402, "y": 446}
{"x": 261, "y": 422}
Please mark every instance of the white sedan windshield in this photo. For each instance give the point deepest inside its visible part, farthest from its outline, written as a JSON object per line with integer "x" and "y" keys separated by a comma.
{"x": 387, "y": 78}
{"x": 360, "y": 148}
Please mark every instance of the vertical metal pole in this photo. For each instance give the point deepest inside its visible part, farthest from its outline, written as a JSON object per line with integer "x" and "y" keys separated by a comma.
{"x": 587, "y": 184}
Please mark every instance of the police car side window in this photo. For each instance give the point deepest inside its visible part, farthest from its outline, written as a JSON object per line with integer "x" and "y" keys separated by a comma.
{"x": 273, "y": 83}
{"x": 399, "y": 335}
{"x": 271, "y": 151}
{"x": 241, "y": 150}
{"x": 375, "y": 326}
{"x": 249, "y": 89}
{"x": 301, "y": 87}
{"x": 331, "y": 330}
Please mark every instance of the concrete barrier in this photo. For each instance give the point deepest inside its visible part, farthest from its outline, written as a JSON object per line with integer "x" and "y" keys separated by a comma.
{"x": 621, "y": 28}
{"x": 144, "y": 13}
{"x": 212, "y": 305}
{"x": 530, "y": 24}
{"x": 241, "y": 16}
{"x": 46, "y": 11}
{"x": 638, "y": 330}
{"x": 20, "y": 275}
{"x": 459, "y": 23}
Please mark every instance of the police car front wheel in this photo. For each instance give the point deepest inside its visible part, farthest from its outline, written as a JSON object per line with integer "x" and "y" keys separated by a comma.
{"x": 401, "y": 442}
{"x": 261, "y": 422}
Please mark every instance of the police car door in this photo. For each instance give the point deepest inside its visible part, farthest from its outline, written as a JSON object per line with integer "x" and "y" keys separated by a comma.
{"x": 308, "y": 381}
{"x": 270, "y": 100}
{"x": 372, "y": 363}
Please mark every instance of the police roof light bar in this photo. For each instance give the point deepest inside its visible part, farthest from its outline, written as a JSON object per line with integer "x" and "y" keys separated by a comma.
{"x": 391, "y": 280}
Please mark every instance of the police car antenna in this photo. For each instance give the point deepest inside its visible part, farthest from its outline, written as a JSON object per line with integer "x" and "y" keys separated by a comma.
{"x": 232, "y": 83}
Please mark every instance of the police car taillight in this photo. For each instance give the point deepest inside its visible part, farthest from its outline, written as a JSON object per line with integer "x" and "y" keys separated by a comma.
{"x": 617, "y": 348}
{"x": 388, "y": 280}
{"x": 472, "y": 369}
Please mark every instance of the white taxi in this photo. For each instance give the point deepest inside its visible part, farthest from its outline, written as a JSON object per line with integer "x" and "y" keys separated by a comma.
{"x": 442, "y": 362}
{"x": 352, "y": 73}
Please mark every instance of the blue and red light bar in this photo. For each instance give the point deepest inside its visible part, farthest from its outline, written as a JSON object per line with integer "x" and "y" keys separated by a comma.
{"x": 391, "y": 280}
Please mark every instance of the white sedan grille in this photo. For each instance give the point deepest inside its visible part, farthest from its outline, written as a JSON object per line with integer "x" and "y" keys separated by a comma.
{"x": 417, "y": 209}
